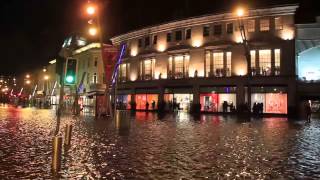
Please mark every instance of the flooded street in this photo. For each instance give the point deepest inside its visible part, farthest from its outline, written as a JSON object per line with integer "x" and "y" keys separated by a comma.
{"x": 145, "y": 146}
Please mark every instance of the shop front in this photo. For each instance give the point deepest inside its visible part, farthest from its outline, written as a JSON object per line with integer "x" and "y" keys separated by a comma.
{"x": 124, "y": 101}
{"x": 272, "y": 100}
{"x": 218, "y": 99}
{"x": 146, "y": 101}
{"x": 178, "y": 99}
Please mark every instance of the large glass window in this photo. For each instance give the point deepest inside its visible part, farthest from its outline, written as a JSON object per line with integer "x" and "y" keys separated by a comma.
{"x": 265, "y": 62}
{"x": 277, "y": 61}
{"x": 178, "y": 66}
{"x": 146, "y": 101}
{"x": 147, "y": 41}
{"x": 123, "y": 72}
{"x": 147, "y": 69}
{"x": 264, "y": 24}
{"x": 253, "y": 62}
{"x": 269, "y": 102}
{"x": 218, "y": 64}
{"x": 168, "y": 37}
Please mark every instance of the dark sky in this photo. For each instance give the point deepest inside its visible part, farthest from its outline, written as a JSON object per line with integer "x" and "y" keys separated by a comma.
{"x": 32, "y": 31}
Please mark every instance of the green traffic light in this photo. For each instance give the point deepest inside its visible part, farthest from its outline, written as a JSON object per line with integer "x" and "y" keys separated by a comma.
{"x": 69, "y": 79}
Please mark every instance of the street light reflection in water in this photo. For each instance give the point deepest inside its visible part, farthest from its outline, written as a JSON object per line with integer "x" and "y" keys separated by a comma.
{"x": 149, "y": 146}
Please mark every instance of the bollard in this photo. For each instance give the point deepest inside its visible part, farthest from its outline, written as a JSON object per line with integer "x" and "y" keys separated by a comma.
{"x": 67, "y": 135}
{"x": 56, "y": 153}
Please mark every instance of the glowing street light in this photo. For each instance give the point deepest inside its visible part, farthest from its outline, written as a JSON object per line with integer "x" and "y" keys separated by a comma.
{"x": 93, "y": 31}
{"x": 240, "y": 12}
{"x": 28, "y": 82}
{"x": 91, "y": 10}
{"x": 27, "y": 76}
{"x": 46, "y": 77}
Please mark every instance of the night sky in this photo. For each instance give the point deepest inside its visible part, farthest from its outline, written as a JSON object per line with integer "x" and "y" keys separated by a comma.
{"x": 32, "y": 31}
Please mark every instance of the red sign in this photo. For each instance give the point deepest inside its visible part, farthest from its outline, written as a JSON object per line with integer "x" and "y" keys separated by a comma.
{"x": 109, "y": 57}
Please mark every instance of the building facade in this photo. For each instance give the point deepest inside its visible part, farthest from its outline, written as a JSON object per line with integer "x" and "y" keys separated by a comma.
{"x": 200, "y": 63}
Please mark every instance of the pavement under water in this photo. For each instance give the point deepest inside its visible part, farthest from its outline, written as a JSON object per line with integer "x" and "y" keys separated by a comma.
{"x": 146, "y": 146}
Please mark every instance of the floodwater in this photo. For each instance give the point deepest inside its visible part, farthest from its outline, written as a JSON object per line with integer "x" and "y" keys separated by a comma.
{"x": 145, "y": 146}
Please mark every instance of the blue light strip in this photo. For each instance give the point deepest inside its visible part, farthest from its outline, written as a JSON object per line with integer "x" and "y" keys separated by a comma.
{"x": 116, "y": 68}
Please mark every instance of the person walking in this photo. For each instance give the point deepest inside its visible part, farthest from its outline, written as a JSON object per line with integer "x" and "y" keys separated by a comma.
{"x": 308, "y": 111}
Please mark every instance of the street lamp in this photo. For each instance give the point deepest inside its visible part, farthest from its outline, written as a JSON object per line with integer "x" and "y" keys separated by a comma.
{"x": 94, "y": 12}
{"x": 27, "y": 76}
{"x": 240, "y": 12}
{"x": 46, "y": 77}
{"x": 93, "y": 31}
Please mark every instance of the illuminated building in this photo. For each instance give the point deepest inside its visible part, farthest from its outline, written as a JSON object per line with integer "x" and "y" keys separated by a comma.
{"x": 201, "y": 61}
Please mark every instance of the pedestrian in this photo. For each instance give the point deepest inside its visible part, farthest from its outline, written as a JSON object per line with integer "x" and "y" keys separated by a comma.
{"x": 147, "y": 106}
{"x": 153, "y": 105}
{"x": 308, "y": 111}
{"x": 224, "y": 106}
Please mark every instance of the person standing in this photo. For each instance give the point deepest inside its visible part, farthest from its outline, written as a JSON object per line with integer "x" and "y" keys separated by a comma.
{"x": 147, "y": 106}
{"x": 153, "y": 104}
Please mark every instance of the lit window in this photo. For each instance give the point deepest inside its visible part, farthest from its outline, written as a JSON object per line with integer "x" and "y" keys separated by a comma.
{"x": 95, "y": 78}
{"x": 188, "y": 33}
{"x": 228, "y": 70}
{"x": 277, "y": 58}
{"x": 265, "y": 62}
{"x": 251, "y": 25}
{"x": 229, "y": 28}
{"x": 264, "y": 25}
{"x": 123, "y": 72}
{"x": 208, "y": 64}
{"x": 206, "y": 30}
{"x": 178, "y": 66}
{"x": 217, "y": 29}
{"x": 218, "y": 64}
{"x": 278, "y": 23}
{"x": 147, "y": 69}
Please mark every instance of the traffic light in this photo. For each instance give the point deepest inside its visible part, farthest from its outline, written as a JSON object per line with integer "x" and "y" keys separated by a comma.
{"x": 71, "y": 72}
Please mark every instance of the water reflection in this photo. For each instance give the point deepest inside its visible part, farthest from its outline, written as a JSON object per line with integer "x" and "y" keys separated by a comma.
{"x": 149, "y": 146}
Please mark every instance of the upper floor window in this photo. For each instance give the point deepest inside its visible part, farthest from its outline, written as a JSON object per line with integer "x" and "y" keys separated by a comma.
{"x": 178, "y": 35}
{"x": 264, "y": 25}
{"x": 95, "y": 62}
{"x": 278, "y": 23}
{"x": 139, "y": 42}
{"x": 188, "y": 33}
{"x": 251, "y": 25}
{"x": 168, "y": 37}
{"x": 277, "y": 57}
{"x": 206, "y": 30}
{"x": 147, "y": 41}
{"x": 229, "y": 28}
{"x": 147, "y": 67}
{"x": 217, "y": 29}
{"x": 123, "y": 74}
{"x": 155, "y": 39}
{"x": 95, "y": 78}
{"x": 218, "y": 64}
{"x": 178, "y": 66}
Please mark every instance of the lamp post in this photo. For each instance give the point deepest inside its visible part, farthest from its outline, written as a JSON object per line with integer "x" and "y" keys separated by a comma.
{"x": 94, "y": 11}
{"x": 240, "y": 12}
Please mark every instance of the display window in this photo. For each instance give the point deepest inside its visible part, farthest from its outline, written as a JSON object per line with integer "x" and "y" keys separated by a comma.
{"x": 218, "y": 102}
{"x": 123, "y": 101}
{"x": 178, "y": 101}
{"x": 270, "y": 102}
{"x": 146, "y": 101}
